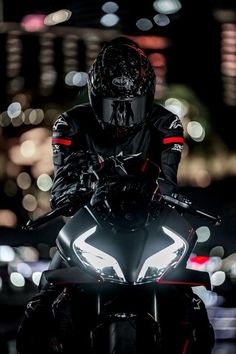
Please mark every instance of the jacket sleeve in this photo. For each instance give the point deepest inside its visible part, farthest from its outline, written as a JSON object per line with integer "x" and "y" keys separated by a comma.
{"x": 65, "y": 133}
{"x": 172, "y": 140}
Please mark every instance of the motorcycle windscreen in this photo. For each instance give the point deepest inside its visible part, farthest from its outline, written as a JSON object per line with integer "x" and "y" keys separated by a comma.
{"x": 124, "y": 113}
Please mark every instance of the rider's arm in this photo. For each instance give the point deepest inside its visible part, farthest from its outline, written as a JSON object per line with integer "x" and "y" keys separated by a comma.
{"x": 66, "y": 143}
{"x": 171, "y": 136}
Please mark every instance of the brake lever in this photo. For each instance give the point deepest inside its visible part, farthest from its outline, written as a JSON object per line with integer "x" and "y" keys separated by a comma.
{"x": 215, "y": 219}
{"x": 33, "y": 224}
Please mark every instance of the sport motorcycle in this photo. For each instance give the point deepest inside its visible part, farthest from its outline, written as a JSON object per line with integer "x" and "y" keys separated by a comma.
{"x": 119, "y": 282}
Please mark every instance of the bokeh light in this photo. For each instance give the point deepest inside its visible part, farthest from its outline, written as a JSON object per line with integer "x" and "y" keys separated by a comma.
{"x": 44, "y": 182}
{"x": 109, "y": 20}
{"x": 17, "y": 279}
{"x": 110, "y": 7}
{"x": 203, "y": 233}
{"x": 144, "y": 24}
{"x": 167, "y": 6}
{"x": 57, "y": 17}
{"x": 8, "y": 218}
{"x": 29, "y": 202}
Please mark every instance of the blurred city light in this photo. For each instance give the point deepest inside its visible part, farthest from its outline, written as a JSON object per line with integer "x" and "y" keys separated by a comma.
{"x": 7, "y": 254}
{"x": 161, "y": 20}
{"x": 144, "y": 24}
{"x": 34, "y": 22}
{"x": 14, "y": 109}
{"x": 110, "y": 7}
{"x": 44, "y": 182}
{"x": 43, "y": 72}
{"x": 57, "y": 17}
{"x": 17, "y": 279}
{"x": 7, "y": 217}
{"x": 109, "y": 20}
{"x": 196, "y": 131}
{"x": 218, "y": 278}
{"x": 203, "y": 233}
{"x": 167, "y": 6}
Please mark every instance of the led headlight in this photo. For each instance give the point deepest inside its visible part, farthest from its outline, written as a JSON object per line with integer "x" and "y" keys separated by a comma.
{"x": 158, "y": 263}
{"x": 92, "y": 257}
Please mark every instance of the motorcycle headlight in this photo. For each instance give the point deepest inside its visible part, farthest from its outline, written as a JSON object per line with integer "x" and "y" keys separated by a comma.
{"x": 92, "y": 257}
{"x": 156, "y": 265}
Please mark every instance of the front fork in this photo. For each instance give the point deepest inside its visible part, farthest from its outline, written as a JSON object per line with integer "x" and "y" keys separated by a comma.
{"x": 156, "y": 318}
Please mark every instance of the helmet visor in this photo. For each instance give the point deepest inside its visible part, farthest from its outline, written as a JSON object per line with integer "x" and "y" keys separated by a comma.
{"x": 124, "y": 113}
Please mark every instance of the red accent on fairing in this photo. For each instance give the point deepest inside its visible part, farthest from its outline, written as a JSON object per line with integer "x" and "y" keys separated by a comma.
{"x": 144, "y": 166}
{"x": 174, "y": 139}
{"x": 199, "y": 259}
{"x": 61, "y": 141}
{"x": 160, "y": 281}
{"x": 186, "y": 343}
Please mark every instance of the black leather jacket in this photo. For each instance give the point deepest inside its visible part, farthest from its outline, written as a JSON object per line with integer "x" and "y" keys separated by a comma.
{"x": 160, "y": 140}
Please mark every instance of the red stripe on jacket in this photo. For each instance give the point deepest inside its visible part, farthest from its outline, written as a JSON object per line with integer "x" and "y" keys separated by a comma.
{"x": 61, "y": 141}
{"x": 174, "y": 139}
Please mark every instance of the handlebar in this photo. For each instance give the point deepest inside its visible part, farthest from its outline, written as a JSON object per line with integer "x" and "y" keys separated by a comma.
{"x": 33, "y": 224}
{"x": 214, "y": 219}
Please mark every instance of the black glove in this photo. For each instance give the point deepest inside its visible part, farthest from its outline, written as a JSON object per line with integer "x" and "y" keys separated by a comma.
{"x": 75, "y": 196}
{"x": 82, "y": 162}
{"x": 166, "y": 187}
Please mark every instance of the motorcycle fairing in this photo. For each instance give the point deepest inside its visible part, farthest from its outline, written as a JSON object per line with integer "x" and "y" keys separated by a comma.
{"x": 129, "y": 248}
{"x": 68, "y": 276}
{"x": 77, "y": 225}
{"x": 76, "y": 275}
{"x": 183, "y": 276}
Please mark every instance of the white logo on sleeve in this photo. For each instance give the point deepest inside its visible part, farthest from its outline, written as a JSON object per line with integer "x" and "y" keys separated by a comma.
{"x": 196, "y": 304}
{"x": 177, "y": 147}
{"x": 60, "y": 122}
{"x": 176, "y": 123}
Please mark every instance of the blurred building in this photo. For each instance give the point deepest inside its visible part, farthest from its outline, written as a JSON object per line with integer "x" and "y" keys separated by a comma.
{"x": 46, "y": 50}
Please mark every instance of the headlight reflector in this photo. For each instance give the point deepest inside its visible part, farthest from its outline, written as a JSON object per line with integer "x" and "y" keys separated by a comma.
{"x": 156, "y": 265}
{"x": 92, "y": 257}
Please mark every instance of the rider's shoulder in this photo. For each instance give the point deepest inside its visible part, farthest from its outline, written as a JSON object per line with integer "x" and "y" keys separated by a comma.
{"x": 160, "y": 116}
{"x": 79, "y": 112}
{"x": 160, "y": 112}
{"x": 76, "y": 116}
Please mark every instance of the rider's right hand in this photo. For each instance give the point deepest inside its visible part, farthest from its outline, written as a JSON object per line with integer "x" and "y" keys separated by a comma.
{"x": 80, "y": 163}
{"x": 74, "y": 195}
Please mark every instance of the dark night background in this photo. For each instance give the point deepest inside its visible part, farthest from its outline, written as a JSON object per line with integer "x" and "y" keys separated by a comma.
{"x": 191, "y": 57}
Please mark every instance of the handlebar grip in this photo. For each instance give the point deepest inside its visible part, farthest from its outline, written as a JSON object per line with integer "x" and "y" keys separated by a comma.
{"x": 176, "y": 202}
{"x": 33, "y": 224}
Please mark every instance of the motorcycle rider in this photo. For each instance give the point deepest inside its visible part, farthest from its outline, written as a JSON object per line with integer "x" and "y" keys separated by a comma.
{"x": 120, "y": 119}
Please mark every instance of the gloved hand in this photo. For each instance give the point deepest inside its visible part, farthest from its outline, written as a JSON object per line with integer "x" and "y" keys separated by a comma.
{"x": 82, "y": 162}
{"x": 74, "y": 196}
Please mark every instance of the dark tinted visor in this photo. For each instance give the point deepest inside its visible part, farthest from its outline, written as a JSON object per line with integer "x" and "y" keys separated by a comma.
{"x": 124, "y": 113}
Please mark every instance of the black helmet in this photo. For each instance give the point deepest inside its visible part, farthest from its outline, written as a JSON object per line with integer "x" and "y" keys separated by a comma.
{"x": 121, "y": 87}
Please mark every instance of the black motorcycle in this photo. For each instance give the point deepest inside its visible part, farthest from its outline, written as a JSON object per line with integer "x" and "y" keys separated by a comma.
{"x": 118, "y": 283}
